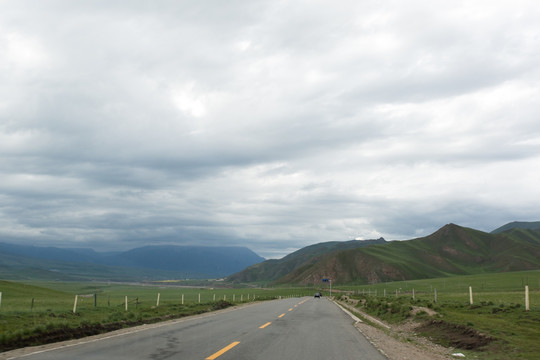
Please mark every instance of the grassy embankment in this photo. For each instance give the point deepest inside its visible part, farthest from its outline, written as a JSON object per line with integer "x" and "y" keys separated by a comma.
{"x": 495, "y": 326}
{"x": 32, "y": 315}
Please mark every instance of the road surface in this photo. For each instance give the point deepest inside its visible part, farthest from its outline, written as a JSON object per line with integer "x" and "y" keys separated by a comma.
{"x": 297, "y": 328}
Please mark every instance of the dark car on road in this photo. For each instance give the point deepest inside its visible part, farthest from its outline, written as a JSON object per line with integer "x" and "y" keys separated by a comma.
{"x": 318, "y": 295}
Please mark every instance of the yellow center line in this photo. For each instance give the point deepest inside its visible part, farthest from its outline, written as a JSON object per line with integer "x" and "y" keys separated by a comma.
{"x": 282, "y": 315}
{"x": 265, "y": 325}
{"x": 290, "y": 309}
{"x": 223, "y": 351}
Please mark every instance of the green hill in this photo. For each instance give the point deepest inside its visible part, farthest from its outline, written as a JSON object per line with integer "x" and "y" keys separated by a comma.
{"x": 18, "y": 291}
{"x": 452, "y": 250}
{"x": 532, "y": 225}
{"x": 272, "y": 270}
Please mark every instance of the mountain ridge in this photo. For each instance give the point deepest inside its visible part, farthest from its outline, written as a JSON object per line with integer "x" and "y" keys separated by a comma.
{"x": 531, "y": 225}
{"x": 451, "y": 250}
{"x": 271, "y": 270}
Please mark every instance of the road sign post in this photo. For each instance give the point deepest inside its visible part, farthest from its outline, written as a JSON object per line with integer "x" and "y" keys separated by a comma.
{"x": 328, "y": 280}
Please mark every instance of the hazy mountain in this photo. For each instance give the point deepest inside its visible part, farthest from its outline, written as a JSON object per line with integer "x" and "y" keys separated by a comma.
{"x": 218, "y": 261}
{"x": 170, "y": 261}
{"x": 51, "y": 253}
{"x": 18, "y": 267}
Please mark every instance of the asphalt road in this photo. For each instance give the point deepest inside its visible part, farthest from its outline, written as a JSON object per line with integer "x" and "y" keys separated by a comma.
{"x": 298, "y": 328}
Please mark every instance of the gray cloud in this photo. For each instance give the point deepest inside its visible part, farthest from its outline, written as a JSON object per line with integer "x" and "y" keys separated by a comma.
{"x": 267, "y": 124}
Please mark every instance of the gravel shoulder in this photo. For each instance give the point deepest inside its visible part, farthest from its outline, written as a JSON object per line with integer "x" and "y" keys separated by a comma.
{"x": 398, "y": 342}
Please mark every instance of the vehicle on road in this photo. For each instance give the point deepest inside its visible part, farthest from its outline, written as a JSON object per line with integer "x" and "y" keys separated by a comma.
{"x": 318, "y": 295}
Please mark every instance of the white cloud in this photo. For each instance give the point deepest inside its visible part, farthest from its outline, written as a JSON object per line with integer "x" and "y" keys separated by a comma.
{"x": 189, "y": 102}
{"x": 22, "y": 53}
{"x": 267, "y": 124}
{"x": 243, "y": 45}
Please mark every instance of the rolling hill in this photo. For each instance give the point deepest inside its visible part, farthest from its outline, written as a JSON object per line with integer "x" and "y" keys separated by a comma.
{"x": 452, "y": 250}
{"x": 531, "y": 225}
{"x": 272, "y": 270}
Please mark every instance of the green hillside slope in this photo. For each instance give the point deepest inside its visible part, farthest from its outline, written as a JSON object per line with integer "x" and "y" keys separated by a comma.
{"x": 452, "y": 250}
{"x": 532, "y": 225}
{"x": 271, "y": 270}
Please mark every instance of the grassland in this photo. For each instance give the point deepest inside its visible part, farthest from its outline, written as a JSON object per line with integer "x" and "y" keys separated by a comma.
{"x": 495, "y": 326}
{"x": 36, "y": 313}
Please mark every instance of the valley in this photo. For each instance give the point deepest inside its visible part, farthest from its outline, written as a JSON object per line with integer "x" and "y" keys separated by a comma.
{"x": 423, "y": 285}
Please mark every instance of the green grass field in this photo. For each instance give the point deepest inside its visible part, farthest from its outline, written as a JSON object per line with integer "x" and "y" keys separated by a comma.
{"x": 35, "y": 313}
{"x": 38, "y": 312}
{"x": 59, "y": 296}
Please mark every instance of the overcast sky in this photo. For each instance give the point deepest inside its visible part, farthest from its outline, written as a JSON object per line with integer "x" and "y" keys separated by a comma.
{"x": 267, "y": 124}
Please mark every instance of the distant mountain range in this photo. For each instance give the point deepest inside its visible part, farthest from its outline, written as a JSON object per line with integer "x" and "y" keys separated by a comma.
{"x": 452, "y": 250}
{"x": 149, "y": 262}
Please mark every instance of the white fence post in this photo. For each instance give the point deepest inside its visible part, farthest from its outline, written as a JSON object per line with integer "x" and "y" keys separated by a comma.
{"x": 413, "y": 294}
{"x": 182, "y": 299}
{"x": 75, "y": 304}
{"x": 157, "y": 302}
{"x": 0, "y": 299}
{"x": 214, "y": 297}
{"x": 435, "y": 295}
{"x": 125, "y": 300}
{"x": 199, "y": 298}
{"x": 470, "y": 295}
{"x": 527, "y": 308}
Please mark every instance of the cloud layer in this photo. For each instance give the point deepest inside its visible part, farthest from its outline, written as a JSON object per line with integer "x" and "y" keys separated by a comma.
{"x": 269, "y": 124}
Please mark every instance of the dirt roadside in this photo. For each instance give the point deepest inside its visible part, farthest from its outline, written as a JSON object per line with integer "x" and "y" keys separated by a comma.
{"x": 399, "y": 342}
